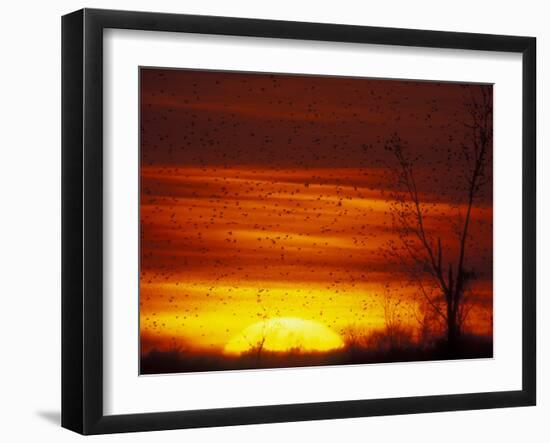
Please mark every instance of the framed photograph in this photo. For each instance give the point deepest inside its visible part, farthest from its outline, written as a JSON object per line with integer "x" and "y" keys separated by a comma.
{"x": 269, "y": 221}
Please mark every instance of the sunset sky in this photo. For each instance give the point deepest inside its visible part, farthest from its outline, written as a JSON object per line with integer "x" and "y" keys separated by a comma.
{"x": 266, "y": 196}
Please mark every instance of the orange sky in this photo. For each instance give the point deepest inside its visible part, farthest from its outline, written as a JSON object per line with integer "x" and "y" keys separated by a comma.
{"x": 237, "y": 226}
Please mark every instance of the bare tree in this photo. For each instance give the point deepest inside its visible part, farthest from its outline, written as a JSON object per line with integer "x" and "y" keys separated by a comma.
{"x": 257, "y": 346}
{"x": 392, "y": 318}
{"x": 355, "y": 338}
{"x": 437, "y": 265}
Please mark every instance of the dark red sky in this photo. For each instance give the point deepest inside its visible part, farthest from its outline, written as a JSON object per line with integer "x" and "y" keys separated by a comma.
{"x": 191, "y": 117}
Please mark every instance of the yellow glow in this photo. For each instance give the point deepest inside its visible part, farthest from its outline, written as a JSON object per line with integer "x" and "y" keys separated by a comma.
{"x": 283, "y": 334}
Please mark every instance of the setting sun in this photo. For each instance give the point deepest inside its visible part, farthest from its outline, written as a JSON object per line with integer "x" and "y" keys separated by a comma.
{"x": 285, "y": 334}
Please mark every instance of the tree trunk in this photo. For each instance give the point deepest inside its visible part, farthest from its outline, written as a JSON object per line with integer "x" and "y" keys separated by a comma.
{"x": 453, "y": 328}
{"x": 452, "y": 334}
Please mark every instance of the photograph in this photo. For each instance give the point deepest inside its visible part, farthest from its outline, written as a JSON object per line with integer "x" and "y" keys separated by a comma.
{"x": 291, "y": 220}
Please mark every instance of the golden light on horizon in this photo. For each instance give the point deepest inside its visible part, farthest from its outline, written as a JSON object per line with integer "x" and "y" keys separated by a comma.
{"x": 284, "y": 334}
{"x": 273, "y": 248}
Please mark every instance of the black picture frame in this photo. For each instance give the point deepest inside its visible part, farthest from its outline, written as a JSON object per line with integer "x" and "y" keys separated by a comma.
{"x": 82, "y": 218}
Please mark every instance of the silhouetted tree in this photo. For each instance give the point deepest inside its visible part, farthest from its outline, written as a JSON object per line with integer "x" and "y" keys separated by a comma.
{"x": 392, "y": 306}
{"x": 437, "y": 267}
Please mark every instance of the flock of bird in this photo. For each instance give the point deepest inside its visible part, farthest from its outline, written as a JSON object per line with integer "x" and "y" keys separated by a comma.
{"x": 260, "y": 195}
